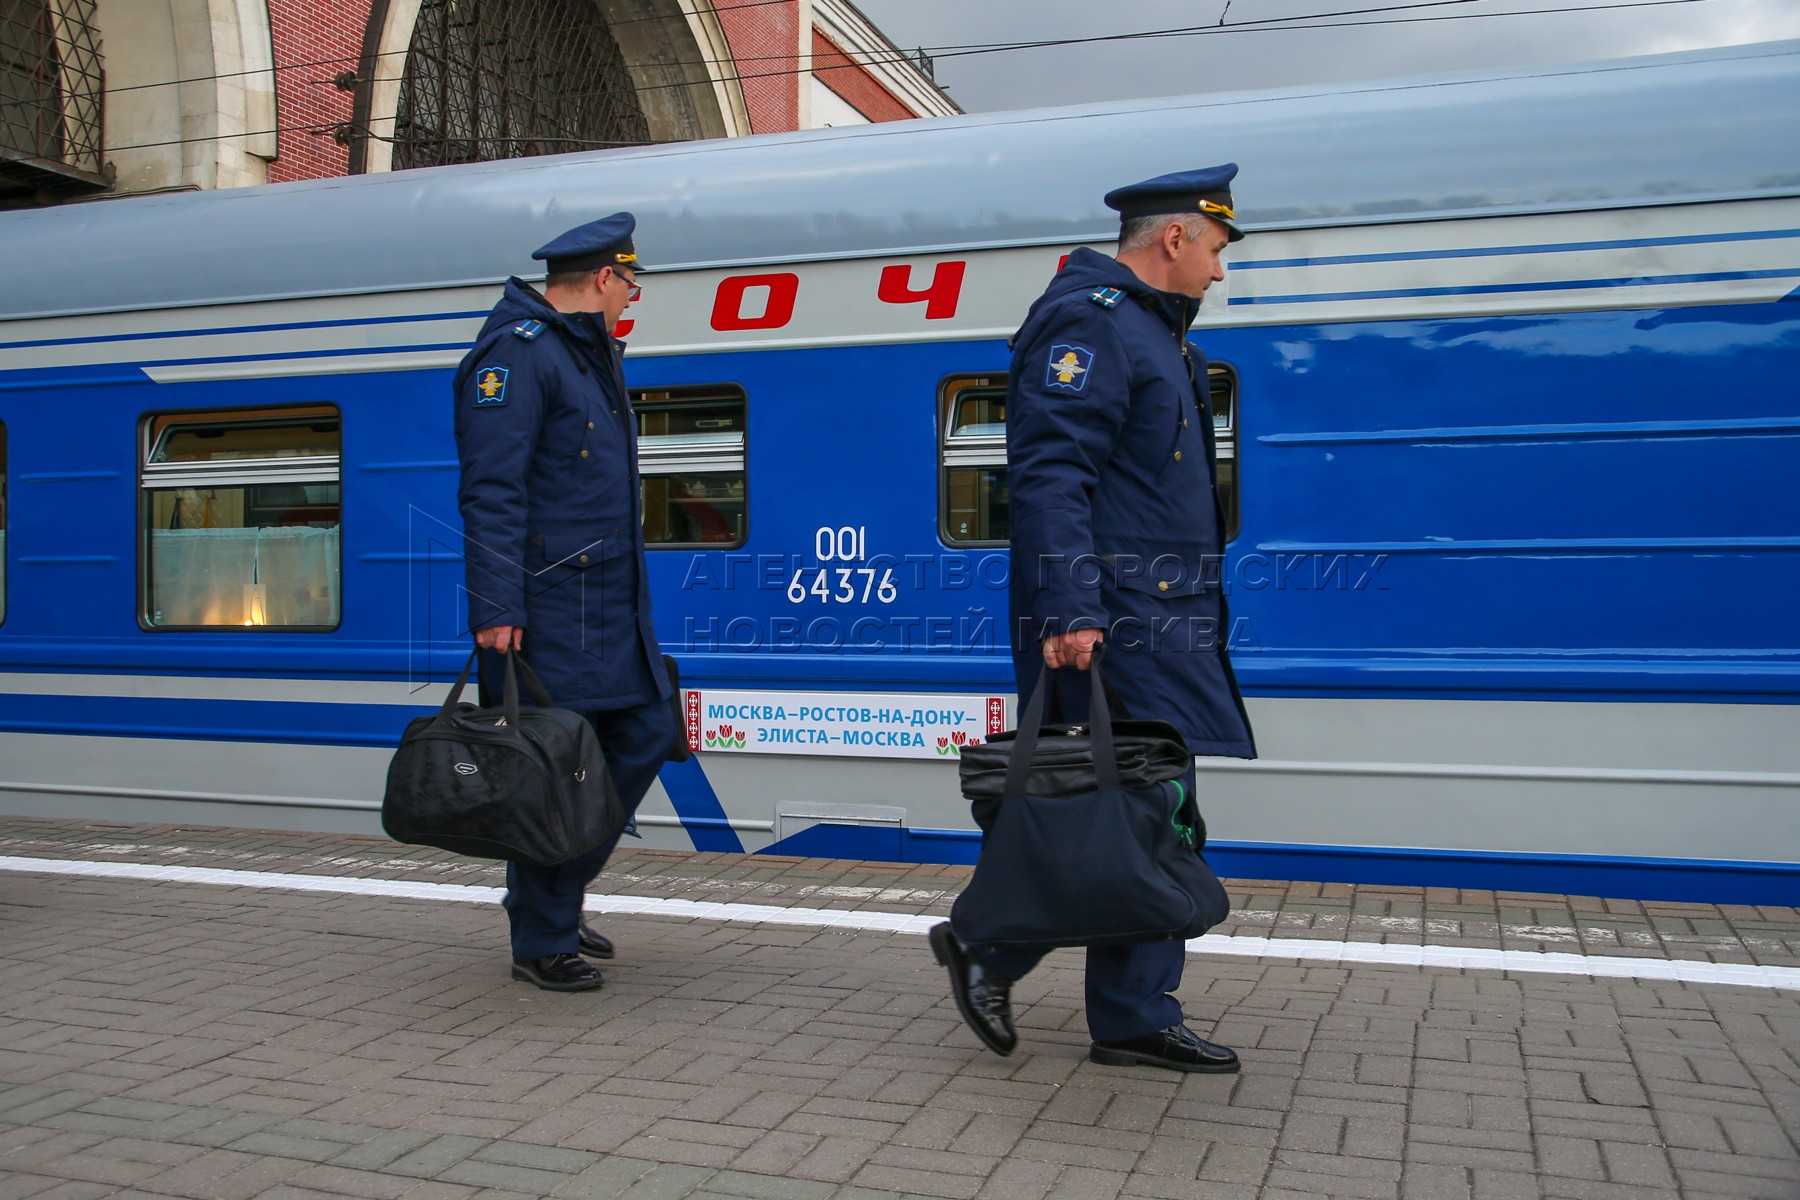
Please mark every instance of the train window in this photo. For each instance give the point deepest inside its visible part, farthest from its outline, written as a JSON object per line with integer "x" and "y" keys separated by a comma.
{"x": 221, "y": 441}
{"x": 691, "y": 458}
{"x": 972, "y": 498}
{"x": 242, "y": 519}
{"x": 2, "y": 522}
{"x": 972, "y": 478}
{"x": 1222, "y": 384}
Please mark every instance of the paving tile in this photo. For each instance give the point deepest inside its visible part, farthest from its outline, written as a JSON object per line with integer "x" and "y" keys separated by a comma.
{"x": 835, "y": 1159}
{"x": 365, "y": 1185}
{"x": 766, "y": 1187}
{"x": 741, "y": 1062}
{"x": 916, "y": 1181}
{"x": 1424, "y": 1181}
{"x": 1087, "y": 1183}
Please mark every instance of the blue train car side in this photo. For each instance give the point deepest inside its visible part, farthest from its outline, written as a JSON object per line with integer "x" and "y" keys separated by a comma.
{"x": 1506, "y": 431}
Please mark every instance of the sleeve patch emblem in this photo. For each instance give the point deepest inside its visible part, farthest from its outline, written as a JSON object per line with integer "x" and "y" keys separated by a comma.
{"x": 490, "y": 387}
{"x": 1068, "y": 367}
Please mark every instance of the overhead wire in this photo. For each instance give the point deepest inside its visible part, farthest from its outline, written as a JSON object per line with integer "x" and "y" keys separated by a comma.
{"x": 880, "y": 57}
{"x": 1261, "y": 25}
{"x": 898, "y": 55}
{"x": 1271, "y": 25}
{"x": 1211, "y": 30}
{"x": 958, "y": 49}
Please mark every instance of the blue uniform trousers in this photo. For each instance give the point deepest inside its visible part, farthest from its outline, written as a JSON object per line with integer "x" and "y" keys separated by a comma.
{"x": 1129, "y": 988}
{"x": 543, "y": 904}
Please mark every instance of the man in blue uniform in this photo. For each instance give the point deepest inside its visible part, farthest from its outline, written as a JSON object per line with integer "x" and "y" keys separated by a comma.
{"x": 555, "y": 550}
{"x": 1117, "y": 536}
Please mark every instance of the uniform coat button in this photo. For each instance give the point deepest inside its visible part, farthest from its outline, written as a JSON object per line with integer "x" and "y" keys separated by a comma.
{"x": 584, "y": 562}
{"x": 1177, "y": 455}
{"x": 584, "y": 454}
{"x": 591, "y": 424}
{"x": 1162, "y": 585}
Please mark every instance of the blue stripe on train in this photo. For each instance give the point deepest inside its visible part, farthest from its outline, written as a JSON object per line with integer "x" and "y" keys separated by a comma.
{"x": 698, "y": 806}
{"x": 1339, "y": 260}
{"x": 1563, "y": 679}
{"x": 214, "y": 720}
{"x": 1497, "y": 289}
{"x": 222, "y": 330}
{"x": 1705, "y": 881}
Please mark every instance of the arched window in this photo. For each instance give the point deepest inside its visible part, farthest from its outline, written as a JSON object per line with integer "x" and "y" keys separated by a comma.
{"x": 488, "y": 79}
{"x": 50, "y": 91}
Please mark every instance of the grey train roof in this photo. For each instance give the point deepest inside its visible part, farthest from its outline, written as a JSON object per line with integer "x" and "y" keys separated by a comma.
{"x": 1699, "y": 125}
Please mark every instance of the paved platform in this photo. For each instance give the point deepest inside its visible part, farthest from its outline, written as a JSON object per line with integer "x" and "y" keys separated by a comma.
{"x": 243, "y": 1038}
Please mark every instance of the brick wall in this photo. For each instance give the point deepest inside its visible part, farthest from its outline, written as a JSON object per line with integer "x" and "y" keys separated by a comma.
{"x": 306, "y": 31}
{"x": 763, "y": 38}
{"x": 756, "y": 35}
{"x": 853, "y": 84}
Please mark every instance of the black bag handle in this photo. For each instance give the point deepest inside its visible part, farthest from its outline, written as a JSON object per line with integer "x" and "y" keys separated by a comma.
{"x": 509, "y": 695}
{"x": 1053, "y": 708}
{"x": 1106, "y": 757}
{"x": 540, "y": 694}
{"x": 462, "y": 681}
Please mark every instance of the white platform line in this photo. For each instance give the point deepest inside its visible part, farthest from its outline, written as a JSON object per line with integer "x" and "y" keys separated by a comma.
{"x": 1456, "y": 958}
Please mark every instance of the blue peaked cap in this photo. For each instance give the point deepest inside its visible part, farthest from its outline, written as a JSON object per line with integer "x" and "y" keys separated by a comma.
{"x": 1206, "y": 191}
{"x": 602, "y": 243}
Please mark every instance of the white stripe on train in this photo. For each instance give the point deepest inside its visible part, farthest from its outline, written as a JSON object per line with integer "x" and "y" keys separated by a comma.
{"x": 857, "y": 302}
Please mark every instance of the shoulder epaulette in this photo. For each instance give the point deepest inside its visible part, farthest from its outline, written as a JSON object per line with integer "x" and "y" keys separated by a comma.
{"x": 1107, "y": 297}
{"x": 528, "y": 329}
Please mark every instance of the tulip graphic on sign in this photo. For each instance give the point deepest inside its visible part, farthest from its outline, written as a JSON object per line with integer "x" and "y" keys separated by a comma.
{"x": 952, "y": 746}
{"x": 725, "y": 737}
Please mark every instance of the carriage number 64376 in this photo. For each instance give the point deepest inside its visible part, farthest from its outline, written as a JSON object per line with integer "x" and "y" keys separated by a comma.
{"x": 850, "y": 543}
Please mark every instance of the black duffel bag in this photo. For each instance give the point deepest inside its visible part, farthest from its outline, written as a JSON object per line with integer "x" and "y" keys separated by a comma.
{"x": 1074, "y": 853}
{"x": 523, "y": 784}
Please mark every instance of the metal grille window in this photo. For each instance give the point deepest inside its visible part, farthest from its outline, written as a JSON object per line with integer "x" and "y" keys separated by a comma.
{"x": 51, "y": 89}
{"x": 691, "y": 459}
{"x": 242, "y": 519}
{"x": 490, "y": 79}
{"x": 973, "y": 507}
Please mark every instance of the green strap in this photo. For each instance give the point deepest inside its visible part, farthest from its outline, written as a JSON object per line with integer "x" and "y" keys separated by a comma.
{"x": 1184, "y": 832}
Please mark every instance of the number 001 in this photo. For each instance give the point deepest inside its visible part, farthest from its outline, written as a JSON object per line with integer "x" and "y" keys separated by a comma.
{"x": 847, "y": 544}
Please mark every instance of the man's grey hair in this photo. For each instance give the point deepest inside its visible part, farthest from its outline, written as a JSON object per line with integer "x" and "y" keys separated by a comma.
{"x": 1135, "y": 233}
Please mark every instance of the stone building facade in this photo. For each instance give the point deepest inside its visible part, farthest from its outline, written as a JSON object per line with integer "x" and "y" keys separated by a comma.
{"x": 127, "y": 97}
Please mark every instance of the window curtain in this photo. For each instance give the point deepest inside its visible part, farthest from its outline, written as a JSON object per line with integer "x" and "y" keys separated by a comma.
{"x": 286, "y": 575}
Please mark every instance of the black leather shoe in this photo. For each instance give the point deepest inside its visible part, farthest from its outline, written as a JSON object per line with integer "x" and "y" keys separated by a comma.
{"x": 1178, "y": 1048}
{"x": 595, "y": 944}
{"x": 984, "y": 1000}
{"x": 559, "y": 973}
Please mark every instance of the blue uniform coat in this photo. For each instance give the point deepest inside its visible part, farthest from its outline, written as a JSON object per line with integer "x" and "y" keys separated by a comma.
{"x": 551, "y": 506}
{"x": 1115, "y": 521}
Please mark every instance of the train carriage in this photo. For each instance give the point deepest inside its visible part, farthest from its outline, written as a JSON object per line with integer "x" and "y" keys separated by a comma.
{"x": 1507, "y": 412}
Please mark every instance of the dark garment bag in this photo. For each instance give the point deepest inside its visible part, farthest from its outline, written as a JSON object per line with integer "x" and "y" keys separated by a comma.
{"x": 1076, "y": 855}
{"x": 523, "y": 784}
